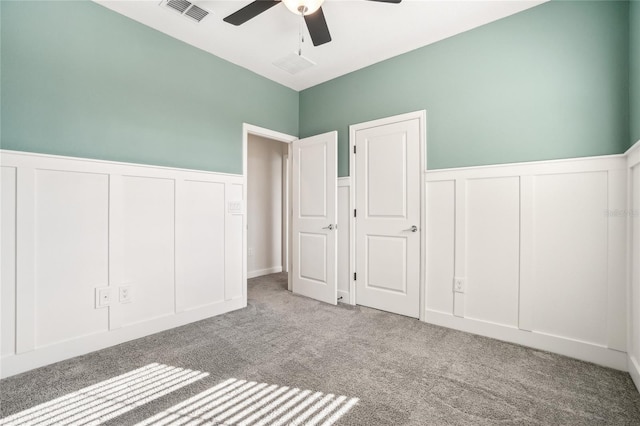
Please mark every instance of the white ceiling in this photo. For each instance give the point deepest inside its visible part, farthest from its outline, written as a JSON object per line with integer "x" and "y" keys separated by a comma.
{"x": 363, "y": 32}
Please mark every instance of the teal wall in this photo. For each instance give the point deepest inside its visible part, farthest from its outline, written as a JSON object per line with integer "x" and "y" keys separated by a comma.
{"x": 634, "y": 70}
{"x": 78, "y": 79}
{"x": 550, "y": 82}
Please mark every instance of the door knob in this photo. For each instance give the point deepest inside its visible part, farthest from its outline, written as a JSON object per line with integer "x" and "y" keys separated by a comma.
{"x": 412, "y": 229}
{"x": 330, "y": 227}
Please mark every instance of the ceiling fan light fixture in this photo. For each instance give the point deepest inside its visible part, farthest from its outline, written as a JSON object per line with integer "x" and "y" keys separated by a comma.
{"x": 304, "y": 7}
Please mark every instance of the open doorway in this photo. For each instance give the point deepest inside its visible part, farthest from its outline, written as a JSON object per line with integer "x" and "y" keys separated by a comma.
{"x": 267, "y": 200}
{"x": 267, "y": 191}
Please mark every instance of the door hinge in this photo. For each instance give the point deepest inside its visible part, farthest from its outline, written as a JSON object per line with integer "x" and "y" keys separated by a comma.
{"x": 354, "y": 276}
{"x": 354, "y": 213}
{"x": 354, "y": 149}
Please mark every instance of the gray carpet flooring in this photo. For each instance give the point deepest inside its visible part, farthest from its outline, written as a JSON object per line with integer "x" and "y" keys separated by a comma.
{"x": 402, "y": 371}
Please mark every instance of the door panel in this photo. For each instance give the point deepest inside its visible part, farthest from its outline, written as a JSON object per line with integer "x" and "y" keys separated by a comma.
{"x": 313, "y": 257}
{"x": 315, "y": 215}
{"x": 389, "y": 275}
{"x": 386, "y": 175}
{"x": 313, "y": 186}
{"x": 388, "y": 206}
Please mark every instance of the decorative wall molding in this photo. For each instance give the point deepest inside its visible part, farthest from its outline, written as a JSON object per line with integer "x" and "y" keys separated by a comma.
{"x": 582, "y": 164}
{"x": 174, "y": 236}
{"x": 632, "y": 215}
{"x": 561, "y": 345}
{"x": 633, "y": 155}
{"x": 543, "y": 192}
{"x": 532, "y": 241}
{"x": 90, "y": 164}
{"x": 15, "y": 364}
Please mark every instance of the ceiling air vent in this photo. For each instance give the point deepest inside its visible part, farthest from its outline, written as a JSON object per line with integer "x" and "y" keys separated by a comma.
{"x": 294, "y": 63}
{"x": 196, "y": 13}
{"x": 186, "y": 8}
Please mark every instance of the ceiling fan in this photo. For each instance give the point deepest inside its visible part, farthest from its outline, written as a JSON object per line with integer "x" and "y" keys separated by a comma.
{"x": 311, "y": 10}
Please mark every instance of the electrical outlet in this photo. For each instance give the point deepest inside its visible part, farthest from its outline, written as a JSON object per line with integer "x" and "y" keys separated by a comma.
{"x": 458, "y": 285}
{"x": 126, "y": 294}
{"x": 250, "y": 252}
{"x": 103, "y": 297}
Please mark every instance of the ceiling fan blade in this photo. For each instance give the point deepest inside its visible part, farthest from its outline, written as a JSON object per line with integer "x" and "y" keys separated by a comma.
{"x": 251, "y": 10}
{"x": 318, "y": 29}
{"x": 388, "y": 1}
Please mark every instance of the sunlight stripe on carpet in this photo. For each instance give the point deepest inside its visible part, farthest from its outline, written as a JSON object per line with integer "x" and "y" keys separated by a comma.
{"x": 242, "y": 403}
{"x": 108, "y": 399}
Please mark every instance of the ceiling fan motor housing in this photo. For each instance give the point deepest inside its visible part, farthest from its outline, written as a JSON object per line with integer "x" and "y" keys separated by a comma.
{"x": 303, "y": 7}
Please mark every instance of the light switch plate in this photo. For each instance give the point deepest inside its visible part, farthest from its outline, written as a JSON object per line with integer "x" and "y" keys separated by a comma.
{"x": 235, "y": 207}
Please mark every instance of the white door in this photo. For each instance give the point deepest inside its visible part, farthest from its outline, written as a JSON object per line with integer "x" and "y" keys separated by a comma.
{"x": 387, "y": 163}
{"x": 315, "y": 217}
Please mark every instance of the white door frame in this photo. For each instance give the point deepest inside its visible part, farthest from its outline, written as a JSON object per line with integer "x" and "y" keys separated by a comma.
{"x": 422, "y": 118}
{"x": 250, "y": 129}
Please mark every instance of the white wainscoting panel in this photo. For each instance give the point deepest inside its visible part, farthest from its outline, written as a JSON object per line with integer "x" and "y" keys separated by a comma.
{"x": 539, "y": 255}
{"x": 493, "y": 229}
{"x": 440, "y": 250}
{"x": 344, "y": 234}
{"x": 8, "y": 261}
{"x": 148, "y": 248}
{"x": 570, "y": 258}
{"x": 71, "y": 253}
{"x": 200, "y": 253}
{"x": 632, "y": 215}
{"x": 235, "y": 277}
{"x": 617, "y": 232}
{"x": 71, "y": 225}
{"x": 635, "y": 262}
{"x": 634, "y": 349}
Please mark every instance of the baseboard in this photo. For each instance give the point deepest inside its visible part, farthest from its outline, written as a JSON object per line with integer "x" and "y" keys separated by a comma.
{"x": 572, "y": 348}
{"x": 261, "y": 272}
{"x": 344, "y": 295}
{"x": 634, "y": 371}
{"x": 15, "y": 364}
